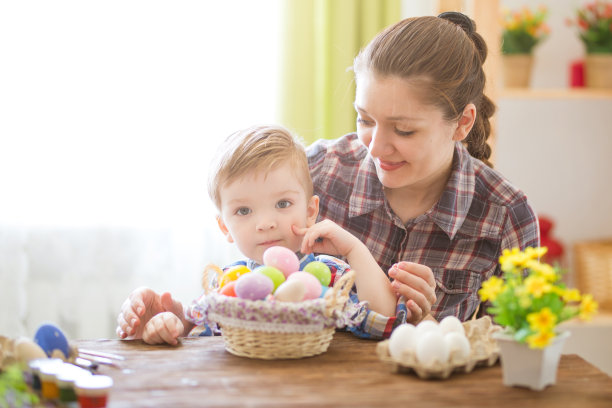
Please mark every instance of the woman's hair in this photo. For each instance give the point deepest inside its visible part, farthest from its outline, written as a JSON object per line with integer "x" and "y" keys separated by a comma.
{"x": 253, "y": 150}
{"x": 442, "y": 55}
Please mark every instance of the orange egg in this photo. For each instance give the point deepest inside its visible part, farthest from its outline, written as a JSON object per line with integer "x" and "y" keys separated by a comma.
{"x": 228, "y": 289}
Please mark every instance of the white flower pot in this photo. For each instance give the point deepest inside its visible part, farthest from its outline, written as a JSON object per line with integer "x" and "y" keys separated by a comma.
{"x": 526, "y": 367}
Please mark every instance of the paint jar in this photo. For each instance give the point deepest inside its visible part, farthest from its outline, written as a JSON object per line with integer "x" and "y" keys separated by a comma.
{"x": 92, "y": 391}
{"x": 65, "y": 380}
{"x": 34, "y": 370}
{"x": 48, "y": 386}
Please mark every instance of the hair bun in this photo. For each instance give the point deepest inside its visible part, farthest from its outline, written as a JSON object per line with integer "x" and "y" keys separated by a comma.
{"x": 459, "y": 19}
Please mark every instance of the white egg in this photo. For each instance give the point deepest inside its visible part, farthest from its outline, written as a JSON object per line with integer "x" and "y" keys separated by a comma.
{"x": 431, "y": 348}
{"x": 290, "y": 291}
{"x": 402, "y": 339}
{"x": 451, "y": 324}
{"x": 426, "y": 326}
{"x": 458, "y": 346}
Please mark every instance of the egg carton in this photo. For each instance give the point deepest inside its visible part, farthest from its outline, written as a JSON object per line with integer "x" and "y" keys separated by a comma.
{"x": 484, "y": 351}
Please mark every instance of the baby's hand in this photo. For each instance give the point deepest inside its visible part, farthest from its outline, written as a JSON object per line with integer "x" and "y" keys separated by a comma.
{"x": 162, "y": 328}
{"x": 326, "y": 237}
{"x": 140, "y": 307}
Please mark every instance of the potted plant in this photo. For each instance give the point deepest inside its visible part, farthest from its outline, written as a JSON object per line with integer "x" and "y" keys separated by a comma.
{"x": 522, "y": 30}
{"x": 529, "y": 302}
{"x": 594, "y": 24}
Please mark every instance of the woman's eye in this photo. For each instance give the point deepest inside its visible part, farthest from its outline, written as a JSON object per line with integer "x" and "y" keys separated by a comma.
{"x": 283, "y": 204}
{"x": 243, "y": 211}
{"x": 404, "y": 132}
{"x": 364, "y": 122}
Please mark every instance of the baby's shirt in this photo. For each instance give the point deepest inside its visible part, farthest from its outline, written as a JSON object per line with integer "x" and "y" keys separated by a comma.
{"x": 365, "y": 323}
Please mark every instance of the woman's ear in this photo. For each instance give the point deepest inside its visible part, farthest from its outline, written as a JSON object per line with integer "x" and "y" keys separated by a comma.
{"x": 224, "y": 229}
{"x": 465, "y": 123}
{"x": 312, "y": 211}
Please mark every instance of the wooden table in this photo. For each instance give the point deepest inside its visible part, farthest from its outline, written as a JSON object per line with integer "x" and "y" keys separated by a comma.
{"x": 199, "y": 372}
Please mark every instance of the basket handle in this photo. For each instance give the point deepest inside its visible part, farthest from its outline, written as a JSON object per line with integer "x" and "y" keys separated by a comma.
{"x": 210, "y": 278}
{"x": 339, "y": 292}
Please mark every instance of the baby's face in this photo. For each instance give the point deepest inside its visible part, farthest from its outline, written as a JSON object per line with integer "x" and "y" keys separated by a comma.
{"x": 258, "y": 211}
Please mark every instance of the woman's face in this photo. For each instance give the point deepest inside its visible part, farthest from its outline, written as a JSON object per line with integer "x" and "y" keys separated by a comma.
{"x": 411, "y": 143}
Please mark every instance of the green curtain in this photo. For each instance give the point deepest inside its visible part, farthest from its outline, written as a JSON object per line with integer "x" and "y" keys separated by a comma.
{"x": 320, "y": 40}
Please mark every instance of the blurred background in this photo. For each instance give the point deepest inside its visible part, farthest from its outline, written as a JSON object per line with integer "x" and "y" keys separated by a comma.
{"x": 111, "y": 111}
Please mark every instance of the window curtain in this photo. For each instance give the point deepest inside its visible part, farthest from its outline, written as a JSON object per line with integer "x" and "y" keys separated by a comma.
{"x": 320, "y": 40}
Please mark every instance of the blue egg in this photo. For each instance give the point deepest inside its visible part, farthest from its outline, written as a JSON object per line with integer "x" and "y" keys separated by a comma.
{"x": 49, "y": 337}
{"x": 325, "y": 289}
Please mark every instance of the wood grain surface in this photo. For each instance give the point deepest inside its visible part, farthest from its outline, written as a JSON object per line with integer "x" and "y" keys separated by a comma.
{"x": 199, "y": 372}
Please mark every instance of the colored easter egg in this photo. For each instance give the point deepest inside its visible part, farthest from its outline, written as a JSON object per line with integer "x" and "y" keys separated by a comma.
{"x": 232, "y": 274}
{"x": 324, "y": 290}
{"x": 281, "y": 258}
{"x": 312, "y": 284}
{"x": 49, "y": 337}
{"x": 253, "y": 286}
{"x": 290, "y": 291}
{"x": 320, "y": 271}
{"x": 229, "y": 289}
{"x": 272, "y": 273}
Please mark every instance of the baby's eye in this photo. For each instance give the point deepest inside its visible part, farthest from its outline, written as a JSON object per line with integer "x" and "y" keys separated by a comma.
{"x": 283, "y": 204}
{"x": 243, "y": 211}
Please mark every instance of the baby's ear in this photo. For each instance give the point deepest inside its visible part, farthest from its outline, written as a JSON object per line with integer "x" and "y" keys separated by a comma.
{"x": 224, "y": 229}
{"x": 312, "y": 211}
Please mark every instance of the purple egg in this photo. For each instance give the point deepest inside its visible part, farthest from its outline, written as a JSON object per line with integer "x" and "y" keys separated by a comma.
{"x": 253, "y": 286}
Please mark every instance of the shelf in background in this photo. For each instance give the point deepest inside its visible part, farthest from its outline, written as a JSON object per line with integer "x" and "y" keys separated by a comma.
{"x": 558, "y": 93}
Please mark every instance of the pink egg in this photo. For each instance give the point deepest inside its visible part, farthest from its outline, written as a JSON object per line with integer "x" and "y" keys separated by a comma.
{"x": 253, "y": 286}
{"x": 312, "y": 284}
{"x": 282, "y": 259}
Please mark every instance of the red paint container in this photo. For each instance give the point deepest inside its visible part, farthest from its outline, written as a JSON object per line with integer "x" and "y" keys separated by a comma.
{"x": 92, "y": 391}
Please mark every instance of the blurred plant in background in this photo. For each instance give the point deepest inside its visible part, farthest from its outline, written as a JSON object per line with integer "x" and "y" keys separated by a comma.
{"x": 523, "y": 29}
{"x": 594, "y": 24}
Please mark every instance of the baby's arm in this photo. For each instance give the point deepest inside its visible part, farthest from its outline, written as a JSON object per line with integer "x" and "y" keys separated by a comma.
{"x": 372, "y": 284}
{"x": 139, "y": 316}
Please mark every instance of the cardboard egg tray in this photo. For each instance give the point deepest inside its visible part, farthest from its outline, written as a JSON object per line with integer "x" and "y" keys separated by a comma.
{"x": 484, "y": 352}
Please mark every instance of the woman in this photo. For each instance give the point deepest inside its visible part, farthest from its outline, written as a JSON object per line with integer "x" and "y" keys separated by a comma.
{"x": 414, "y": 182}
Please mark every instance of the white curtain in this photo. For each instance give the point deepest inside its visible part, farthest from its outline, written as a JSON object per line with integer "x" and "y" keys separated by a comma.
{"x": 109, "y": 114}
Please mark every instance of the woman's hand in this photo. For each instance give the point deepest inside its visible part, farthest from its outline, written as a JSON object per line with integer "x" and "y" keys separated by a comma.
{"x": 416, "y": 283}
{"x": 140, "y": 307}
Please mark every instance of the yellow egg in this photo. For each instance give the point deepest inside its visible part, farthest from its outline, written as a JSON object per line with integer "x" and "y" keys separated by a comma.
{"x": 26, "y": 350}
{"x": 232, "y": 274}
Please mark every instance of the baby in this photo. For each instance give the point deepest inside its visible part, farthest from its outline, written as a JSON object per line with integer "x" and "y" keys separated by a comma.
{"x": 262, "y": 189}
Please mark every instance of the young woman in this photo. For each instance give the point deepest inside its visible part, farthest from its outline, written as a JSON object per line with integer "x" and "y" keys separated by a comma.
{"x": 414, "y": 182}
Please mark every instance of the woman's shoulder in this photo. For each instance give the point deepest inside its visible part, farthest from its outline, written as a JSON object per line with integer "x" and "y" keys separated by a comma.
{"x": 346, "y": 149}
{"x": 493, "y": 186}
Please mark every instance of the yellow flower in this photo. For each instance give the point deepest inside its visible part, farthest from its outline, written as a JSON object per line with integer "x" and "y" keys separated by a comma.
{"x": 491, "y": 288}
{"x": 588, "y": 307}
{"x": 540, "y": 339}
{"x": 543, "y": 269}
{"x": 537, "y": 286}
{"x": 570, "y": 295}
{"x": 542, "y": 321}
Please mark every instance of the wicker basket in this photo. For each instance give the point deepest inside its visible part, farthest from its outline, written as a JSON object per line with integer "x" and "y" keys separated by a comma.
{"x": 593, "y": 269}
{"x": 279, "y": 330}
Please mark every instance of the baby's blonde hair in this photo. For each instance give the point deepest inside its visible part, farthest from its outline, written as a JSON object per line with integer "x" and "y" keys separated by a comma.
{"x": 255, "y": 149}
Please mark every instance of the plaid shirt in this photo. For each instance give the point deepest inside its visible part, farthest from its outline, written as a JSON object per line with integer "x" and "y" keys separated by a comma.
{"x": 460, "y": 238}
